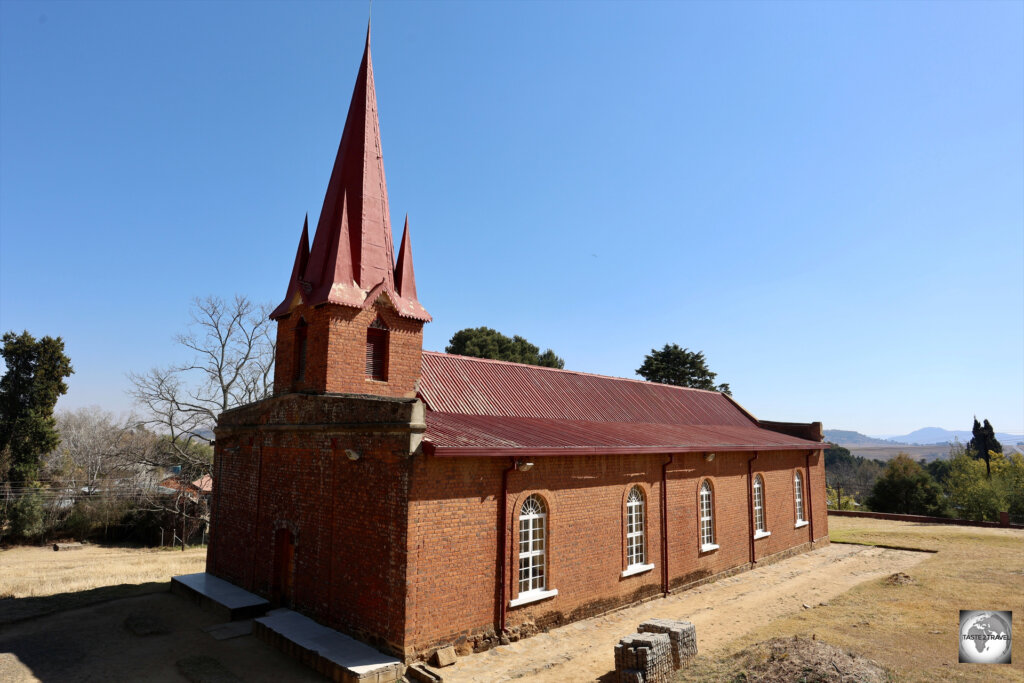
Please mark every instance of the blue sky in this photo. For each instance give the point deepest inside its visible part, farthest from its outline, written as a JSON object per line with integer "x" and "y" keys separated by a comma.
{"x": 825, "y": 198}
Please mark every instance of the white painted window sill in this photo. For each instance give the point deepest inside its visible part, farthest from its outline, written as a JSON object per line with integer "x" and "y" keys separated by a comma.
{"x": 802, "y": 522}
{"x": 532, "y": 596}
{"x": 708, "y": 547}
{"x": 761, "y": 534}
{"x": 637, "y": 569}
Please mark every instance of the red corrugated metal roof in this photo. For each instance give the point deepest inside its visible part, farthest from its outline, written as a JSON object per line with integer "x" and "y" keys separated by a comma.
{"x": 482, "y": 407}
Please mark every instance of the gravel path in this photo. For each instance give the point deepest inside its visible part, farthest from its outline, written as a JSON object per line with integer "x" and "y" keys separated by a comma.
{"x": 722, "y": 610}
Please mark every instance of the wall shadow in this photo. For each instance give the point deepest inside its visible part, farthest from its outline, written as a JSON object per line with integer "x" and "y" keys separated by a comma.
{"x": 14, "y": 610}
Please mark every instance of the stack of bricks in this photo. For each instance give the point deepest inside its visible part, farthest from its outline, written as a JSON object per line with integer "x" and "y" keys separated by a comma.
{"x": 644, "y": 658}
{"x": 682, "y": 634}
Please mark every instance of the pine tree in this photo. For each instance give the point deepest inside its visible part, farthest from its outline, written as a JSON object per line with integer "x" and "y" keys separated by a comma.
{"x": 484, "y": 342}
{"x": 984, "y": 440}
{"x": 29, "y": 390}
{"x": 680, "y": 367}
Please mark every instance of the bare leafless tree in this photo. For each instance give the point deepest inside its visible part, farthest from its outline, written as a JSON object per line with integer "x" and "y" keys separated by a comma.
{"x": 95, "y": 471}
{"x": 89, "y": 457}
{"x": 233, "y": 364}
{"x": 233, "y": 346}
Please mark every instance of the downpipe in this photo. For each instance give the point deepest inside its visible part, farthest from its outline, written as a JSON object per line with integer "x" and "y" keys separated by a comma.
{"x": 503, "y": 547}
{"x": 664, "y": 524}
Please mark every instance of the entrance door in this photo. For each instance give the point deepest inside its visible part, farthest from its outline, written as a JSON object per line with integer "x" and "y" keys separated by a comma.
{"x": 284, "y": 567}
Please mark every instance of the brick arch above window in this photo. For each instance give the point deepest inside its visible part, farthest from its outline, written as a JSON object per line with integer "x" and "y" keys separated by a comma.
{"x": 517, "y": 499}
{"x": 290, "y": 526}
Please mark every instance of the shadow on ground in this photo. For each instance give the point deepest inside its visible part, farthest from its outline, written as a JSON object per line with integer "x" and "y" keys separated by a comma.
{"x": 13, "y": 610}
{"x": 130, "y": 633}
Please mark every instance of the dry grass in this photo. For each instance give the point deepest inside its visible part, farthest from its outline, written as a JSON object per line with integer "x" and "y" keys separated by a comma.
{"x": 37, "y": 581}
{"x": 34, "y": 572}
{"x": 909, "y": 627}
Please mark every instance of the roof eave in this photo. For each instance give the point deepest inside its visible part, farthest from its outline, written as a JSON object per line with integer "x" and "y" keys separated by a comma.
{"x": 514, "y": 452}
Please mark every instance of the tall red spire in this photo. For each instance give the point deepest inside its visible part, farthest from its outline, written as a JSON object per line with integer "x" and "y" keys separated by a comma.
{"x": 352, "y": 251}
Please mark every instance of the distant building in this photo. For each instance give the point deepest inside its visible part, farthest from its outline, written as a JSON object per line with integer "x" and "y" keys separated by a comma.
{"x": 417, "y": 499}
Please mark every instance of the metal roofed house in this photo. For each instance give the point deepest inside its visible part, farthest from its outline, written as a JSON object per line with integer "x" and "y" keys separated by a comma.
{"x": 417, "y": 499}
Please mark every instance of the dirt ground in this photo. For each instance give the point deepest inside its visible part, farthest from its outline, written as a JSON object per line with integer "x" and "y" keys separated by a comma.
{"x": 907, "y": 624}
{"x": 721, "y": 611}
{"x": 157, "y": 638}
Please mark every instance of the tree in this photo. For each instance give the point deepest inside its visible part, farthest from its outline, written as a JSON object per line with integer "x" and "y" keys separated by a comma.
{"x": 983, "y": 442}
{"x": 94, "y": 474}
{"x": 906, "y": 488}
{"x": 29, "y": 390}
{"x": 972, "y": 493}
{"x": 233, "y": 349}
{"x": 680, "y": 367}
{"x": 939, "y": 470}
{"x": 232, "y": 365}
{"x": 849, "y": 477}
{"x": 483, "y": 342}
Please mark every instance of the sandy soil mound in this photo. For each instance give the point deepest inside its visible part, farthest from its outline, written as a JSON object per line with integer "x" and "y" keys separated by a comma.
{"x": 781, "y": 660}
{"x": 900, "y": 579}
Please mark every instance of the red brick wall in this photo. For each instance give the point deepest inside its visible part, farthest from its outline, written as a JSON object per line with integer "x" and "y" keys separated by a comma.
{"x": 453, "y": 543}
{"x": 336, "y": 351}
{"x": 349, "y": 518}
{"x": 403, "y": 551}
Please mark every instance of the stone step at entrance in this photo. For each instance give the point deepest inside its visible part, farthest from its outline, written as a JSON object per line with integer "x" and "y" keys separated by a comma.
{"x": 333, "y": 654}
{"x": 219, "y": 596}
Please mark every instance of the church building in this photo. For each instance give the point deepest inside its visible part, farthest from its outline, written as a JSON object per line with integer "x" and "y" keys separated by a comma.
{"x": 415, "y": 499}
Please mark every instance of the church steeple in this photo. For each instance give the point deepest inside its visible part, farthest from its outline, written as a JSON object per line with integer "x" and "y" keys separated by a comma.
{"x": 351, "y": 321}
{"x": 352, "y": 251}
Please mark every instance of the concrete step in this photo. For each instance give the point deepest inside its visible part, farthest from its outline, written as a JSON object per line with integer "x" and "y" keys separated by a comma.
{"x": 219, "y": 596}
{"x": 333, "y": 654}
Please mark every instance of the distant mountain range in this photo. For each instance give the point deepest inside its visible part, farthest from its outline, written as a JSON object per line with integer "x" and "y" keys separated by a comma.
{"x": 921, "y": 437}
{"x": 844, "y": 437}
{"x": 930, "y": 435}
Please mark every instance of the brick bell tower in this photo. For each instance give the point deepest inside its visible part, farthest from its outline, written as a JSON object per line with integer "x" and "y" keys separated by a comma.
{"x": 350, "y": 322}
{"x": 311, "y": 503}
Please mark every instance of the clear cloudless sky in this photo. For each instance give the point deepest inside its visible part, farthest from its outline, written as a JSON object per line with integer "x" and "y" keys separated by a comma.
{"x": 826, "y": 198}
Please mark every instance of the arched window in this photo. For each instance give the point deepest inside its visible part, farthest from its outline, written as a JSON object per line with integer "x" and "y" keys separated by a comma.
{"x": 759, "y": 527}
{"x": 377, "y": 351}
{"x": 707, "y": 518}
{"x": 635, "y": 545}
{"x": 533, "y": 517}
{"x": 300, "y": 351}
{"x": 798, "y": 496}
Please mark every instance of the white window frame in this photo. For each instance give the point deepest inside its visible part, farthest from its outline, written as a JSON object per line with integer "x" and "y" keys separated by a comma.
{"x": 636, "y": 544}
{"x": 707, "y": 518}
{"x": 533, "y": 532}
{"x": 760, "y": 530}
{"x": 798, "y": 498}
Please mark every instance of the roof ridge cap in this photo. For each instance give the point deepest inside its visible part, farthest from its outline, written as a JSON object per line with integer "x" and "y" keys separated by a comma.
{"x": 575, "y": 372}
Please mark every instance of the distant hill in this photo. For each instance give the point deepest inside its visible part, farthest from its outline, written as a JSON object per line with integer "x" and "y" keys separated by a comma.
{"x": 937, "y": 435}
{"x": 848, "y": 438}
{"x": 928, "y": 453}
